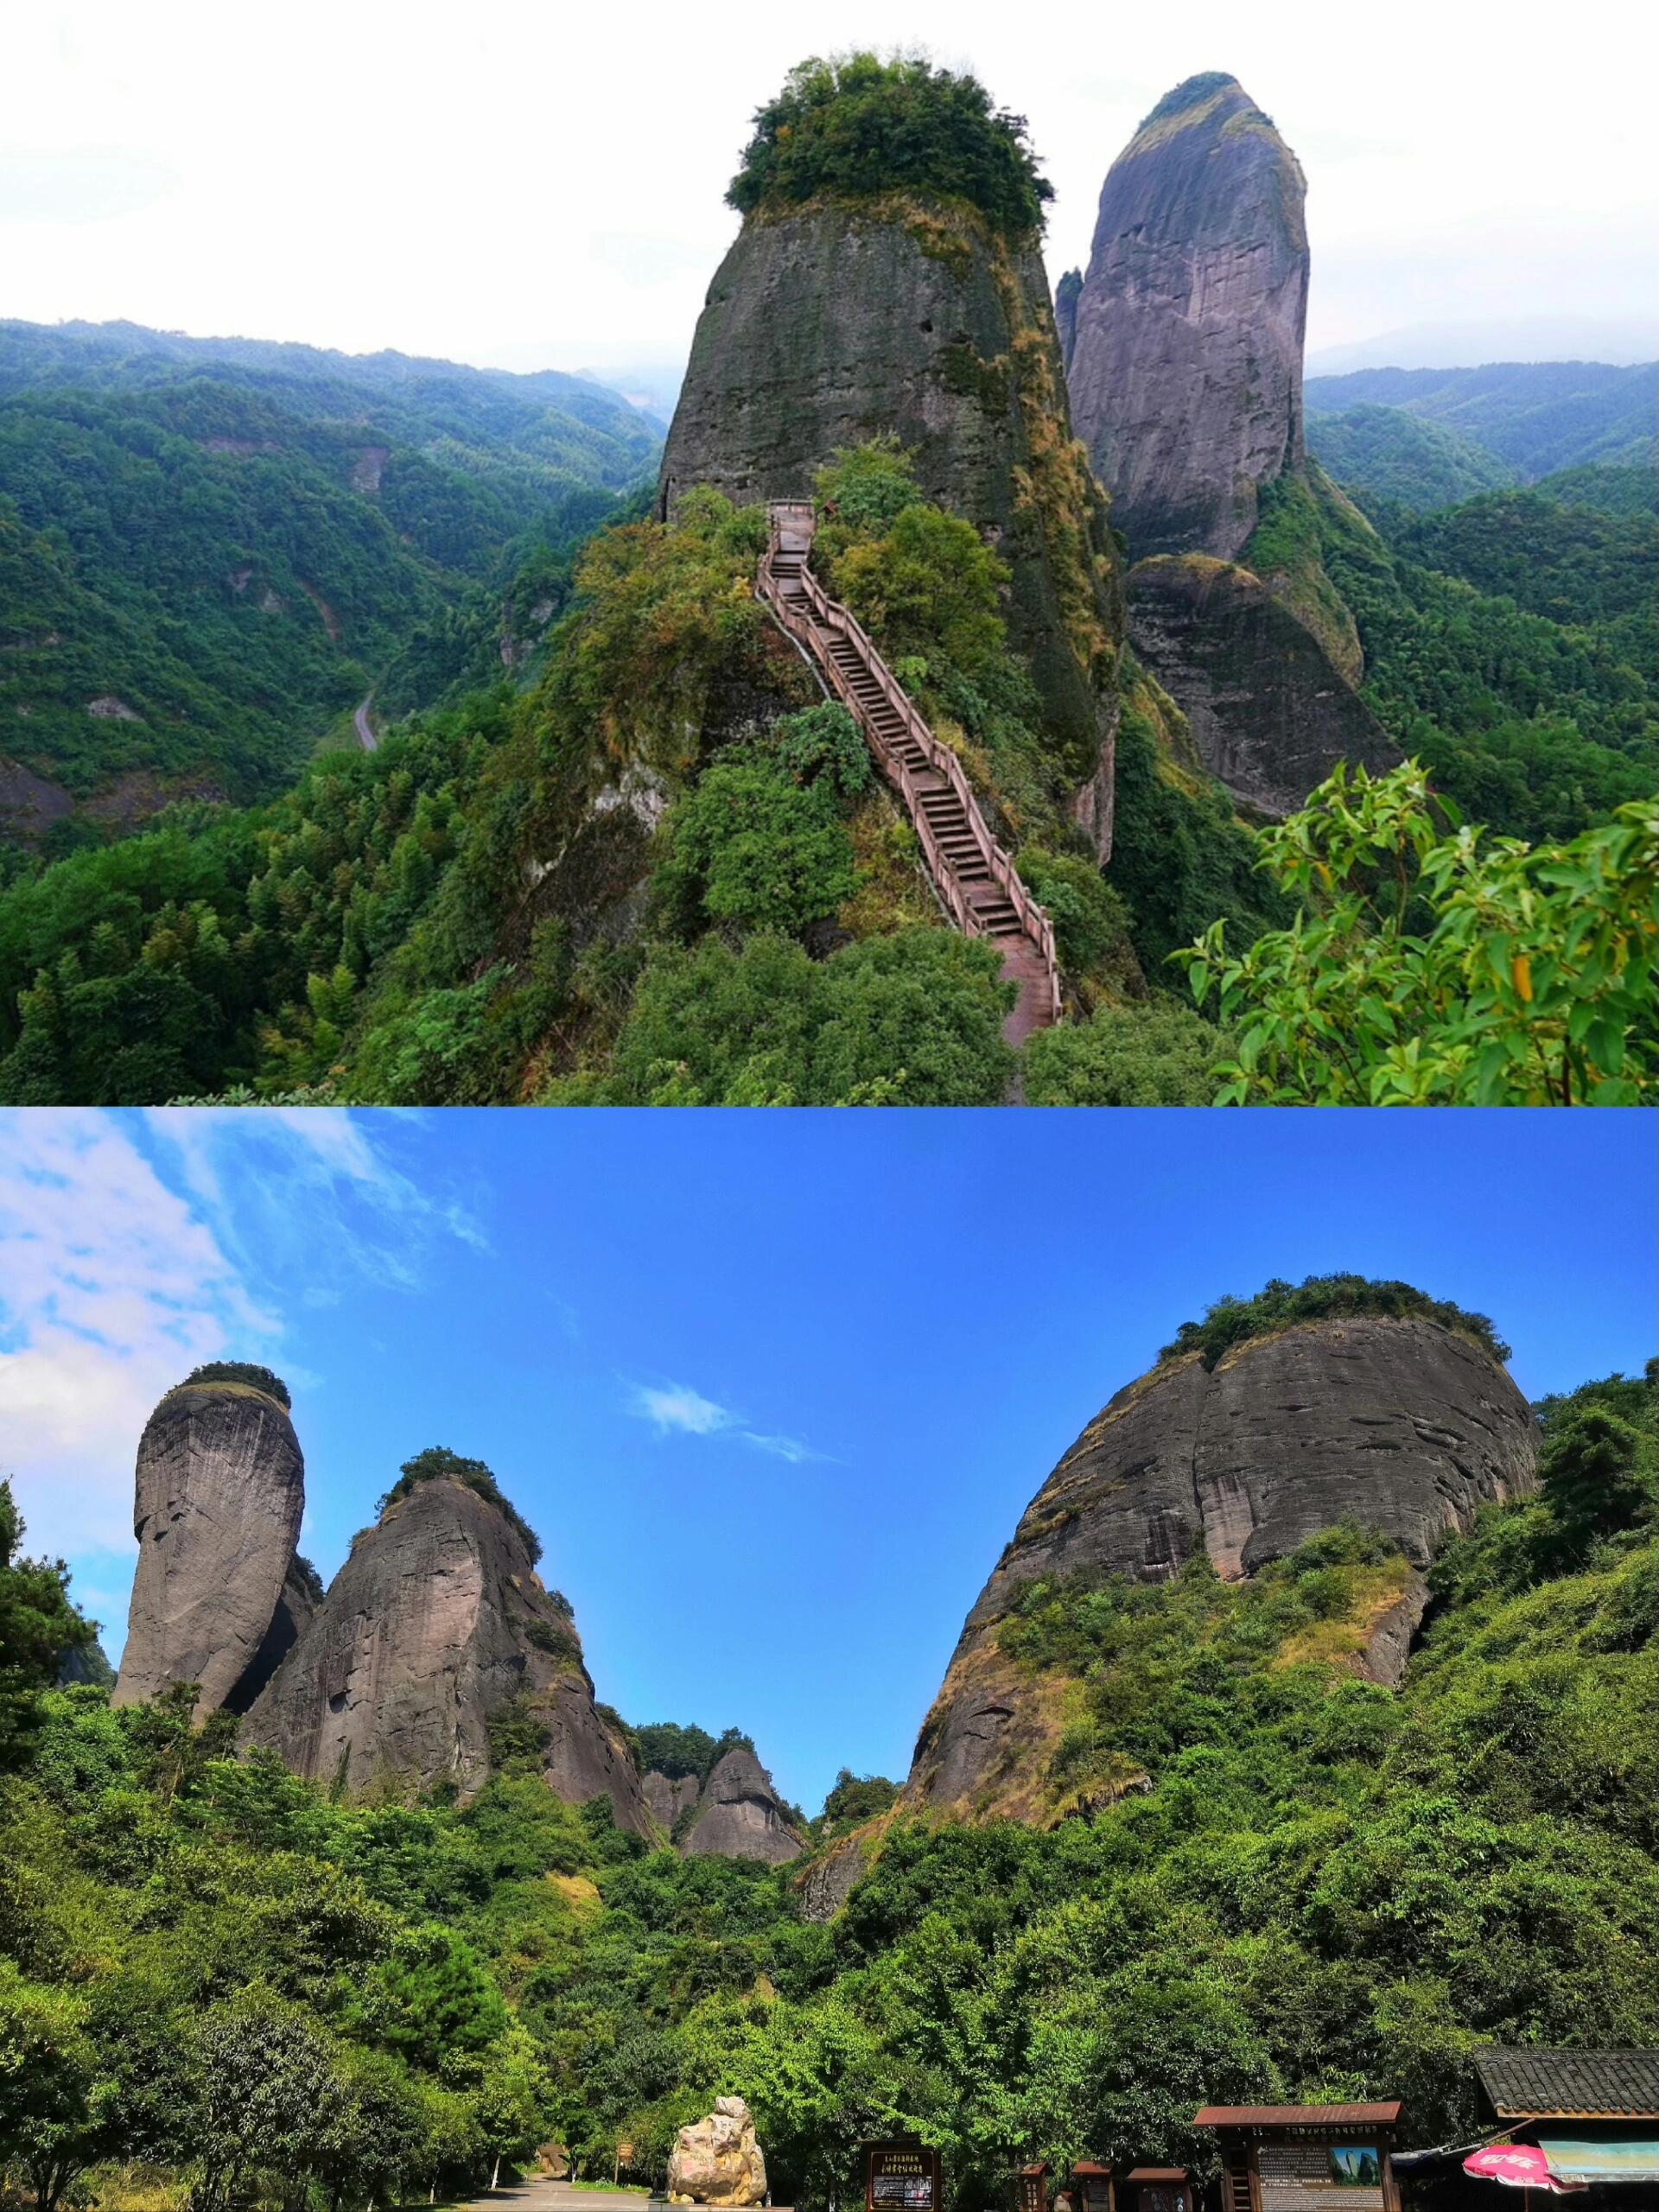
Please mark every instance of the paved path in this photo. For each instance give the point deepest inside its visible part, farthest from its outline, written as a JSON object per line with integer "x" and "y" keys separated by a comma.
{"x": 539, "y": 2194}
{"x": 369, "y": 742}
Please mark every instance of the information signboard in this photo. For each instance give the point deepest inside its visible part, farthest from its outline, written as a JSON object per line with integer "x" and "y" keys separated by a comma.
{"x": 902, "y": 2177}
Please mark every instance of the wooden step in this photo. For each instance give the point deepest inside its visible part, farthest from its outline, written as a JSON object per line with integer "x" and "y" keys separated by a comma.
{"x": 955, "y": 831}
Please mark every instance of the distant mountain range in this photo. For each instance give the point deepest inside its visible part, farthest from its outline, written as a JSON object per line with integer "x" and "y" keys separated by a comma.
{"x": 1622, "y": 340}
{"x": 1535, "y": 418}
{"x": 210, "y": 548}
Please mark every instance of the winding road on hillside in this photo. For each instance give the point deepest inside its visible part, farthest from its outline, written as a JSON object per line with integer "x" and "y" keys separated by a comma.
{"x": 365, "y": 736}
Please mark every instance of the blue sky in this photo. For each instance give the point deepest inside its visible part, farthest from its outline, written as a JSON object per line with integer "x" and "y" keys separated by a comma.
{"x": 773, "y": 1388}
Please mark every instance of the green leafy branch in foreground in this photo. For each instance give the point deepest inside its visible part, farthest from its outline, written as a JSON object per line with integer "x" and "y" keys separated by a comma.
{"x": 1428, "y": 967}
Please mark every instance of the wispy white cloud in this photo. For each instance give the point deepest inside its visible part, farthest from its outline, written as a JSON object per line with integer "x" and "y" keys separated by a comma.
{"x": 132, "y": 1248}
{"x": 113, "y": 1285}
{"x": 310, "y": 1182}
{"x": 673, "y": 1408}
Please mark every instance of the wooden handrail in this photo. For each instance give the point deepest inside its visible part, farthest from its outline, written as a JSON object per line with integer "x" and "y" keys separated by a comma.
{"x": 830, "y": 615}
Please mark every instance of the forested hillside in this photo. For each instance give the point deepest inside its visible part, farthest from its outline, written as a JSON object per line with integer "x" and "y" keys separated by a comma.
{"x": 1537, "y": 416}
{"x": 210, "y": 550}
{"x": 1303, "y": 1885}
{"x": 1383, "y": 453}
{"x": 664, "y": 874}
{"x": 617, "y": 848}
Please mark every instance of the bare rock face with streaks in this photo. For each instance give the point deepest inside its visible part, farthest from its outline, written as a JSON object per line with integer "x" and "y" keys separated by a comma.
{"x": 1270, "y": 713}
{"x": 669, "y": 1796}
{"x": 435, "y": 1624}
{"x": 740, "y": 1815}
{"x": 833, "y": 323}
{"x": 219, "y": 1491}
{"x": 1402, "y": 1425}
{"x": 1186, "y": 370}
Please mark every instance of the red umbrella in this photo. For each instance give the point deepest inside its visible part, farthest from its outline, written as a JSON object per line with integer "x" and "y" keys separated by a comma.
{"x": 1522, "y": 2164}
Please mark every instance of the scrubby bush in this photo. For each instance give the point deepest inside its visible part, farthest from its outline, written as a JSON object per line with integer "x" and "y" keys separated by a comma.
{"x": 1156, "y": 1054}
{"x": 242, "y": 1370}
{"x": 855, "y": 125}
{"x": 1280, "y": 1305}
{"x": 751, "y": 843}
{"x": 914, "y": 1019}
{"x": 1091, "y": 924}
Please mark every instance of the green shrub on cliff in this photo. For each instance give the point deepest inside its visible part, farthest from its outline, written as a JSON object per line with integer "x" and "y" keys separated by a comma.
{"x": 439, "y": 1464}
{"x": 1281, "y": 1305}
{"x": 761, "y": 838}
{"x": 1428, "y": 967}
{"x": 911, "y": 1019}
{"x": 1154, "y": 1055}
{"x": 855, "y": 125}
{"x": 243, "y": 1370}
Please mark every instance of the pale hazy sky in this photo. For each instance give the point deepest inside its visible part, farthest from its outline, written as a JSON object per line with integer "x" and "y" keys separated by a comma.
{"x": 532, "y": 185}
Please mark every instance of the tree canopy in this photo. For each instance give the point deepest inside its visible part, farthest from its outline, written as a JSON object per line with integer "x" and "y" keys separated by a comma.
{"x": 242, "y": 1370}
{"x": 1279, "y": 1304}
{"x": 855, "y": 126}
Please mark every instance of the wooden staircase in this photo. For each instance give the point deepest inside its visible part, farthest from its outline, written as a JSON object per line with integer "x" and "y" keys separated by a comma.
{"x": 977, "y": 883}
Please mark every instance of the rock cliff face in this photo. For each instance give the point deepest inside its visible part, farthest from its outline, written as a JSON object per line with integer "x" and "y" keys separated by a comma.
{"x": 1402, "y": 1425}
{"x": 739, "y": 1815}
{"x": 829, "y": 324}
{"x": 669, "y": 1796}
{"x": 436, "y": 1622}
{"x": 219, "y": 1491}
{"x": 1066, "y": 294}
{"x": 1270, "y": 713}
{"x": 1186, "y": 371}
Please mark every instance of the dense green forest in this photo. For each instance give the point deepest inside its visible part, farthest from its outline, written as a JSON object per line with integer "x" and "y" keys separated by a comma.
{"x": 1538, "y": 416}
{"x": 1511, "y": 643}
{"x": 614, "y": 850}
{"x": 610, "y": 879}
{"x": 1295, "y": 1883}
{"x": 210, "y": 551}
{"x": 1384, "y": 454}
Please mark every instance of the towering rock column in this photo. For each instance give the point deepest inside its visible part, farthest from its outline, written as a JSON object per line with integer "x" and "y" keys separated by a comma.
{"x": 1186, "y": 371}
{"x": 435, "y": 1624}
{"x": 899, "y": 315}
{"x": 220, "y": 1487}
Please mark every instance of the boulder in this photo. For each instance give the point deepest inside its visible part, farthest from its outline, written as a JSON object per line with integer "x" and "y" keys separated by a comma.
{"x": 717, "y": 2161}
{"x": 740, "y": 1815}
{"x": 1402, "y": 1425}
{"x": 219, "y": 1494}
{"x": 1270, "y": 711}
{"x": 829, "y": 324}
{"x": 1185, "y": 371}
{"x": 435, "y": 1624}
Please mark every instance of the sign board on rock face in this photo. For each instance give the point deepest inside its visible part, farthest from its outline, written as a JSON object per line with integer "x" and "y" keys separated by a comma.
{"x": 902, "y": 2177}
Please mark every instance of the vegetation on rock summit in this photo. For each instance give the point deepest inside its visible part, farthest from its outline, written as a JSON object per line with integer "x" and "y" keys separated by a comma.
{"x": 855, "y": 126}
